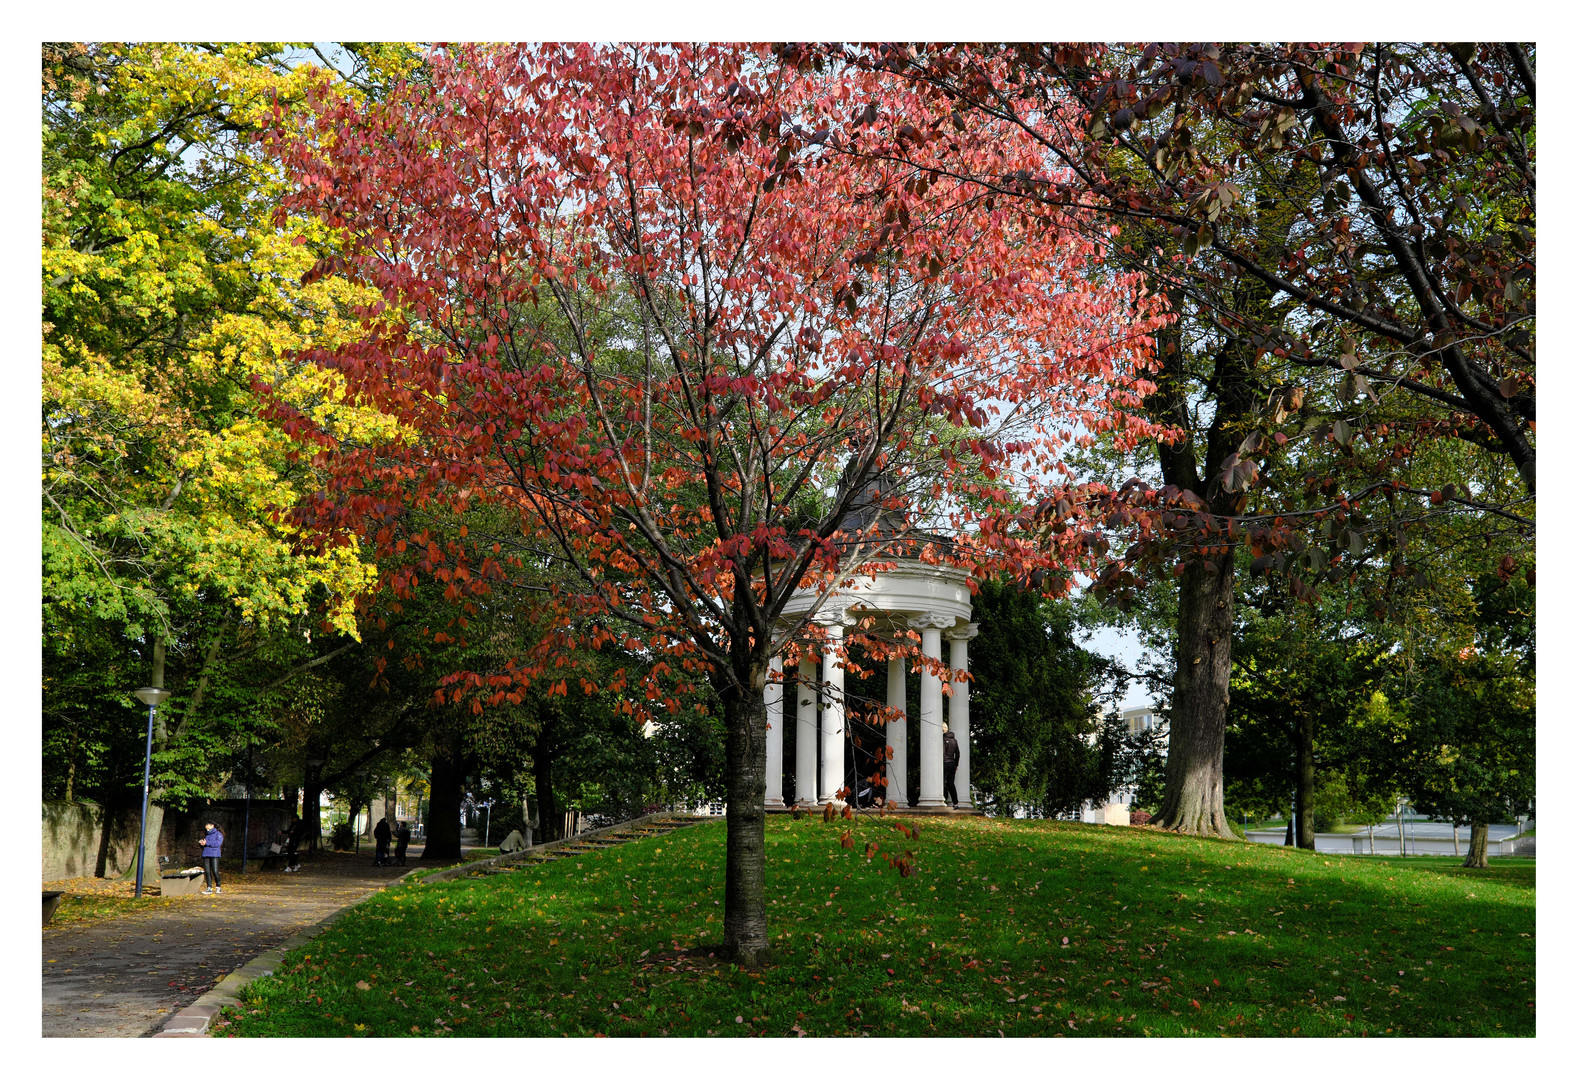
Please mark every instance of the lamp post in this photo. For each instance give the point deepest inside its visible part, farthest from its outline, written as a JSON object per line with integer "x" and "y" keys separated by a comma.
{"x": 149, "y": 696}
{"x": 487, "y": 821}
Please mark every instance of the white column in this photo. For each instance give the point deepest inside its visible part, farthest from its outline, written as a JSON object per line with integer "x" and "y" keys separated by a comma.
{"x": 832, "y": 711}
{"x": 805, "y": 735}
{"x": 959, "y": 708}
{"x": 773, "y": 693}
{"x": 930, "y": 627}
{"x": 898, "y": 736}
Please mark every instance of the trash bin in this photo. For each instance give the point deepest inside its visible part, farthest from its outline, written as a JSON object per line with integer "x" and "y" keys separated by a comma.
{"x": 51, "y": 904}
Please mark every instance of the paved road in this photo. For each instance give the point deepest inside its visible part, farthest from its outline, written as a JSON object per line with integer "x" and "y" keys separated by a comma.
{"x": 1422, "y": 837}
{"x": 124, "y": 976}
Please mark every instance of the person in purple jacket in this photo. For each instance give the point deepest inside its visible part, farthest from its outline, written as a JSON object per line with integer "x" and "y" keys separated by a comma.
{"x": 212, "y": 841}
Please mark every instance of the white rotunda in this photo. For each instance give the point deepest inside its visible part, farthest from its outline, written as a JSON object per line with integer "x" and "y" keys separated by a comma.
{"x": 911, "y": 595}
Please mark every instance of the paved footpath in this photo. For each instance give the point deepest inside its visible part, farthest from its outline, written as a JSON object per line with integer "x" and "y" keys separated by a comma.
{"x": 125, "y": 976}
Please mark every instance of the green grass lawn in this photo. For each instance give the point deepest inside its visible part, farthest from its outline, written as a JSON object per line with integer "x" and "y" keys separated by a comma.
{"x": 1023, "y": 928}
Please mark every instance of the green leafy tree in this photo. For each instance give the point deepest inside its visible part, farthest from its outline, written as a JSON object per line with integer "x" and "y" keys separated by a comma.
{"x": 1038, "y": 741}
{"x": 1468, "y": 755}
{"x": 167, "y": 295}
{"x": 1299, "y": 680}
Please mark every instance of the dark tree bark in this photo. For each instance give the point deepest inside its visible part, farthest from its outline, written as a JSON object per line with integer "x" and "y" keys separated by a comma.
{"x": 1304, "y": 788}
{"x": 1478, "y": 840}
{"x": 1203, "y": 662}
{"x": 745, "y": 876}
{"x": 447, "y": 779}
{"x": 1193, "y": 799}
{"x": 542, "y": 776}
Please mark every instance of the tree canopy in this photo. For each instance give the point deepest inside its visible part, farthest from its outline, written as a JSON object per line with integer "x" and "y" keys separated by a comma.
{"x": 630, "y": 296}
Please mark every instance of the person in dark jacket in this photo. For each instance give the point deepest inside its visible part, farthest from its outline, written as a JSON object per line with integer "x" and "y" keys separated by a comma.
{"x": 950, "y": 766}
{"x": 213, "y": 841}
{"x": 292, "y": 840}
{"x": 402, "y": 841}
{"x": 381, "y": 833}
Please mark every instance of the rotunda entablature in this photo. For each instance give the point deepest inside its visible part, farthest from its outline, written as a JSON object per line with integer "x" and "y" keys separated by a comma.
{"x": 911, "y": 588}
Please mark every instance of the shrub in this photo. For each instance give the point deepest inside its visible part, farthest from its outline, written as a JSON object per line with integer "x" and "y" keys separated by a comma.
{"x": 1139, "y": 817}
{"x": 343, "y": 838}
{"x": 1331, "y": 804}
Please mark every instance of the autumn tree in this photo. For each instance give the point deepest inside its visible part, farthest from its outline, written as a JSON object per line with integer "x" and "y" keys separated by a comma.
{"x": 1392, "y": 311}
{"x": 631, "y": 296}
{"x": 165, "y": 294}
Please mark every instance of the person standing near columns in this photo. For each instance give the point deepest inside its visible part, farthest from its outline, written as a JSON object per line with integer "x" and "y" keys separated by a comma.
{"x": 950, "y": 767}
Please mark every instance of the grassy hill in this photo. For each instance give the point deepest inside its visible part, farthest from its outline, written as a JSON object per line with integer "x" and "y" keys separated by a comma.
{"x": 1023, "y": 928}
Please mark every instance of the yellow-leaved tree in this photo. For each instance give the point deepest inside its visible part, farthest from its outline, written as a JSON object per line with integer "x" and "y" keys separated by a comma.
{"x": 170, "y": 300}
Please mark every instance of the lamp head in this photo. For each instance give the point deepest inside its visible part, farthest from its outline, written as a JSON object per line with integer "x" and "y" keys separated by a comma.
{"x": 150, "y": 696}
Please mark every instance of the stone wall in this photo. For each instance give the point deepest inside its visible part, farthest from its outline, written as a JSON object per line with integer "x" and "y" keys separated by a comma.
{"x": 76, "y": 842}
{"x": 83, "y": 840}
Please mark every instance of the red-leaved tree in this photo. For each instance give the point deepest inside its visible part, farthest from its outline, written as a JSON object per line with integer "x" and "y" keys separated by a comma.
{"x": 639, "y": 297}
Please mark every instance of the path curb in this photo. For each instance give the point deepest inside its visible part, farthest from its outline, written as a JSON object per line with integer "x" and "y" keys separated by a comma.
{"x": 194, "y": 1020}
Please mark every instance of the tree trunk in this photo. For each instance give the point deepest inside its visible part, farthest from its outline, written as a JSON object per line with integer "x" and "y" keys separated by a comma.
{"x": 1304, "y": 795}
{"x": 448, "y": 780}
{"x": 1478, "y": 839}
{"x": 1192, "y": 801}
{"x": 71, "y": 765}
{"x": 542, "y": 776}
{"x": 745, "y": 870}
